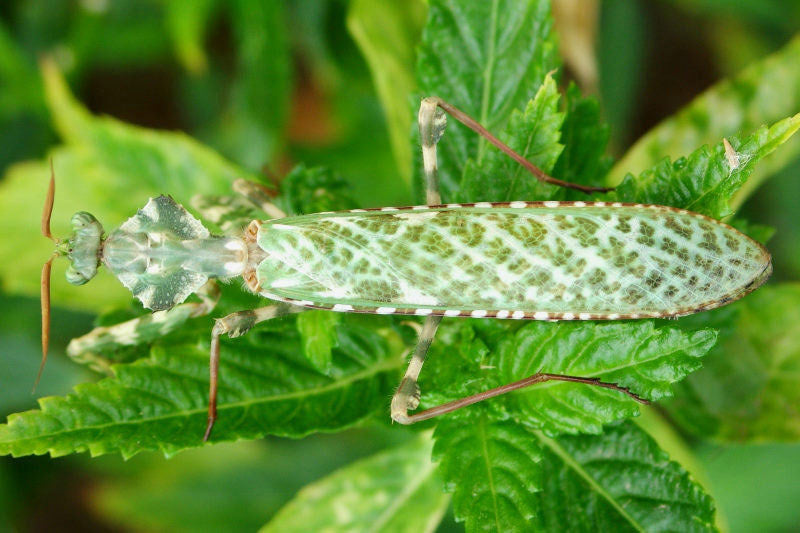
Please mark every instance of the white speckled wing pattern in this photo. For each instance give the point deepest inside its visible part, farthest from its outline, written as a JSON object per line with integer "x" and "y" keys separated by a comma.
{"x": 532, "y": 260}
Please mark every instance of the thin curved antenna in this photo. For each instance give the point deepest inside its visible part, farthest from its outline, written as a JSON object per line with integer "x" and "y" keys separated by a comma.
{"x": 48, "y": 204}
{"x": 45, "y": 280}
{"x": 45, "y": 295}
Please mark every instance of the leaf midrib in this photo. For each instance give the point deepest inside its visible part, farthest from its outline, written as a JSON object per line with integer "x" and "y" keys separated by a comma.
{"x": 409, "y": 490}
{"x": 578, "y": 469}
{"x": 487, "y": 80}
{"x": 377, "y": 369}
{"x": 489, "y": 477}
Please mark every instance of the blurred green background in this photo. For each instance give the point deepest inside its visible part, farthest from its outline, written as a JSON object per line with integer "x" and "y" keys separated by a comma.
{"x": 272, "y": 84}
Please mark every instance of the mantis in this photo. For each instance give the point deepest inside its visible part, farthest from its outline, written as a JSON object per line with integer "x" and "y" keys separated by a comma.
{"x": 551, "y": 261}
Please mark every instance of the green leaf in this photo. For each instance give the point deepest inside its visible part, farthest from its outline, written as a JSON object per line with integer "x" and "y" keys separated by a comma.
{"x": 486, "y": 58}
{"x": 252, "y": 130}
{"x": 505, "y": 476}
{"x": 266, "y": 387}
{"x": 312, "y": 190}
{"x": 318, "y": 336}
{"x": 108, "y": 168}
{"x": 247, "y": 481}
{"x": 749, "y": 387}
{"x": 186, "y": 23}
{"x": 621, "y": 51}
{"x": 492, "y": 468}
{"x": 763, "y": 93}
{"x": 21, "y": 90}
{"x": 535, "y": 135}
{"x": 387, "y": 33}
{"x": 585, "y": 138}
{"x": 396, "y": 490}
{"x": 705, "y": 181}
{"x": 620, "y": 481}
{"x": 636, "y": 355}
{"x": 639, "y": 356}
{"x": 142, "y": 159}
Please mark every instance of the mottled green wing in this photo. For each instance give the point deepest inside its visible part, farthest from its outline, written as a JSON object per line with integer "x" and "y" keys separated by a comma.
{"x": 551, "y": 260}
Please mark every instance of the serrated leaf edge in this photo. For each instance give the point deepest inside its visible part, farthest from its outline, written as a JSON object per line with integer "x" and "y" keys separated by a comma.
{"x": 6, "y": 445}
{"x": 564, "y": 456}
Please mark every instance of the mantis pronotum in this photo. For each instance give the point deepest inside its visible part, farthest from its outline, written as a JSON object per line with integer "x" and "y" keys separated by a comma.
{"x": 510, "y": 260}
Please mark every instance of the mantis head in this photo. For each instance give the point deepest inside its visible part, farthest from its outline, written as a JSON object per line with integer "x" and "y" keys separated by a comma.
{"x": 82, "y": 249}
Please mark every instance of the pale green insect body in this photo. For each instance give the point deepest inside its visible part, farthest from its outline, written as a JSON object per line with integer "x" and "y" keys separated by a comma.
{"x": 534, "y": 260}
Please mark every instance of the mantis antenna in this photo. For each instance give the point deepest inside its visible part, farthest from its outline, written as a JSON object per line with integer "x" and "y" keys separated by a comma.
{"x": 45, "y": 283}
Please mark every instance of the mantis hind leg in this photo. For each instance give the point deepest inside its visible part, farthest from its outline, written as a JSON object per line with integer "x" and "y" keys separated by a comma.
{"x": 432, "y": 122}
{"x": 539, "y": 377}
{"x": 88, "y": 348}
{"x": 236, "y": 325}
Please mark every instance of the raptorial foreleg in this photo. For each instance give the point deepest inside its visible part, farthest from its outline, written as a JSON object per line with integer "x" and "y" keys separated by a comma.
{"x": 88, "y": 349}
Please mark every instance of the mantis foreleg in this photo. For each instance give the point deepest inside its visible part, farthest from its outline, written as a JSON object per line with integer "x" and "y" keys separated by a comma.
{"x": 88, "y": 348}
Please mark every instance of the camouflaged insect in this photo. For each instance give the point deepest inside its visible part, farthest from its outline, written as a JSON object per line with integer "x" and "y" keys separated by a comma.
{"x": 551, "y": 260}
{"x": 512, "y": 260}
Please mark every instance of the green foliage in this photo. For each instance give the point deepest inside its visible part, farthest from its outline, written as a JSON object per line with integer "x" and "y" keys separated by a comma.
{"x": 386, "y": 33}
{"x": 109, "y": 165}
{"x": 645, "y": 359}
{"x": 765, "y": 92}
{"x": 620, "y": 480}
{"x": 467, "y": 359}
{"x": 396, "y": 490}
{"x": 150, "y": 159}
{"x": 637, "y": 355}
{"x": 488, "y": 58}
{"x": 267, "y": 387}
{"x": 748, "y": 388}
{"x": 585, "y": 136}
{"x": 624, "y": 481}
{"x": 534, "y": 134}
{"x": 492, "y": 467}
{"x": 311, "y": 190}
{"x": 554, "y": 456}
{"x": 319, "y": 337}
{"x": 706, "y": 180}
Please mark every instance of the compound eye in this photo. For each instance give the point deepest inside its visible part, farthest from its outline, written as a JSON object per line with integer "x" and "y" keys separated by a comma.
{"x": 74, "y": 277}
{"x": 81, "y": 220}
